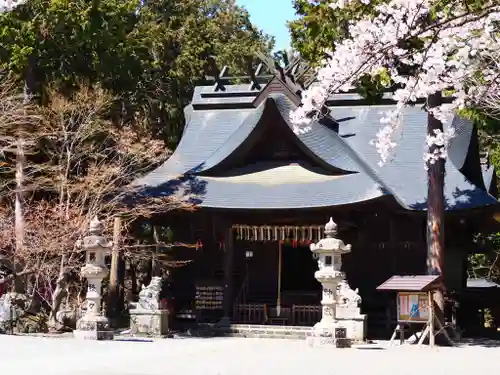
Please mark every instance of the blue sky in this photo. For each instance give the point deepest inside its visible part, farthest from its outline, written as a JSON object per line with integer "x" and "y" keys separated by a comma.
{"x": 271, "y": 16}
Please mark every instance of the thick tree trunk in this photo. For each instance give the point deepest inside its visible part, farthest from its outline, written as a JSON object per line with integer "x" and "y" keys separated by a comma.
{"x": 59, "y": 295}
{"x": 29, "y": 89}
{"x": 18, "y": 213}
{"x": 435, "y": 205}
{"x": 19, "y": 223}
{"x": 113, "y": 287}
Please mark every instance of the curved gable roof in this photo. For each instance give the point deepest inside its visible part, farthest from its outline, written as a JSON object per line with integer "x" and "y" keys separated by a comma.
{"x": 213, "y": 135}
{"x": 322, "y": 144}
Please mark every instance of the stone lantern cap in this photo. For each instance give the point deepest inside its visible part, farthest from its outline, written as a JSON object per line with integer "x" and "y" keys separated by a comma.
{"x": 330, "y": 243}
{"x": 96, "y": 226}
{"x": 95, "y": 240}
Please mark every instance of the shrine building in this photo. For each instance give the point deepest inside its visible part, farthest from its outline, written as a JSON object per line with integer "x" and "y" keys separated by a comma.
{"x": 264, "y": 194}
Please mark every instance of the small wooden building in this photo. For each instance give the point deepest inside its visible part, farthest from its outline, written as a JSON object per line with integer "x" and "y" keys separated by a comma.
{"x": 264, "y": 192}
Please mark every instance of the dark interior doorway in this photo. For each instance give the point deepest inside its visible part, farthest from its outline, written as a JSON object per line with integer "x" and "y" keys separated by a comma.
{"x": 298, "y": 284}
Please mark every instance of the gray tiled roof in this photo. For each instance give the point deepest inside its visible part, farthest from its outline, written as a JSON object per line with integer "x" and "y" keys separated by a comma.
{"x": 273, "y": 187}
{"x": 204, "y": 134}
{"x": 405, "y": 174}
{"x": 212, "y": 135}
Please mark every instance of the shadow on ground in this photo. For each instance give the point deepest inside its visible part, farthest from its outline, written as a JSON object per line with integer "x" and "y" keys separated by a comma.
{"x": 481, "y": 342}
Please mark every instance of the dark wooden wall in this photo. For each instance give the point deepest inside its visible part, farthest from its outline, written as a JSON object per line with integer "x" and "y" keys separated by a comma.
{"x": 385, "y": 241}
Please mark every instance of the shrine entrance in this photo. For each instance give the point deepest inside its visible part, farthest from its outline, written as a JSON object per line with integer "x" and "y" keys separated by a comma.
{"x": 298, "y": 284}
{"x": 278, "y": 286}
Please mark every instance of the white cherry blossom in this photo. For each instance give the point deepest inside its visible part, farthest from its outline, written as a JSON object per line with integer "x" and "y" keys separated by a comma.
{"x": 460, "y": 53}
{"x": 8, "y": 5}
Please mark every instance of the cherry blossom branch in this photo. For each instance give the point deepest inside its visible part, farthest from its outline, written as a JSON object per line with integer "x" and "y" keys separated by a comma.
{"x": 9, "y": 5}
{"x": 451, "y": 56}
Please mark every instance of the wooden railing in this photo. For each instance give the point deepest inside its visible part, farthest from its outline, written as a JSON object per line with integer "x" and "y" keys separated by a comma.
{"x": 306, "y": 315}
{"x": 298, "y": 315}
{"x": 250, "y": 313}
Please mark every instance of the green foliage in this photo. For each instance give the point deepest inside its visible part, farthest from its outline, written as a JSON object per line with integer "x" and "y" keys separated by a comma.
{"x": 485, "y": 264}
{"x": 149, "y": 54}
{"x": 319, "y": 26}
{"x": 488, "y": 129}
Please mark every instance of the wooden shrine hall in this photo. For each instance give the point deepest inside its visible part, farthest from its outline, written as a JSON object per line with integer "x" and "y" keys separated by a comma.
{"x": 264, "y": 194}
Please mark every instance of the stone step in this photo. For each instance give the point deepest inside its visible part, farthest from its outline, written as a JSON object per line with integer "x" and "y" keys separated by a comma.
{"x": 269, "y": 327}
{"x": 268, "y": 335}
{"x": 266, "y": 331}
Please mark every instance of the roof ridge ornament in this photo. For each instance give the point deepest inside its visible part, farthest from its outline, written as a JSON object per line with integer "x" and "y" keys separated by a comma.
{"x": 295, "y": 74}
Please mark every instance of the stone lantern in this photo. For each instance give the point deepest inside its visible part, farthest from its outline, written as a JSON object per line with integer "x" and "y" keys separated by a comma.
{"x": 93, "y": 324}
{"x": 339, "y": 302}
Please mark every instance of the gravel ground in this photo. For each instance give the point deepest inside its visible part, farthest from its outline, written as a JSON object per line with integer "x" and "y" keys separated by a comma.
{"x": 233, "y": 356}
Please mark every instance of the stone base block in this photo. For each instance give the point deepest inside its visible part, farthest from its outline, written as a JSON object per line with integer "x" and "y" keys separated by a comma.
{"x": 351, "y": 330}
{"x": 355, "y": 328}
{"x": 149, "y": 322}
{"x": 322, "y": 335}
{"x": 319, "y": 341}
{"x": 93, "y": 328}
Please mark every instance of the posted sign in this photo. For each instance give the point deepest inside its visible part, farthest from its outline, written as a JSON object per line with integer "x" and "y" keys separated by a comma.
{"x": 412, "y": 307}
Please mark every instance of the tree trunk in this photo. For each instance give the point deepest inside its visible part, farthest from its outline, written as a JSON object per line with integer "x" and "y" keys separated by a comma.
{"x": 18, "y": 213}
{"x": 435, "y": 205}
{"x": 59, "y": 295}
{"x": 113, "y": 287}
{"x": 19, "y": 223}
{"x": 121, "y": 283}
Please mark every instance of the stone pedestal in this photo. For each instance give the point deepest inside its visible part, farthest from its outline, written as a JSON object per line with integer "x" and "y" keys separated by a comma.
{"x": 339, "y": 302}
{"x": 348, "y": 313}
{"x": 94, "y": 325}
{"x": 146, "y": 316}
{"x": 149, "y": 322}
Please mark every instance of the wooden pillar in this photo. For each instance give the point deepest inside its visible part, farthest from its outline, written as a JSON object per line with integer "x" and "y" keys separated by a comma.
{"x": 113, "y": 309}
{"x": 393, "y": 245}
{"x": 435, "y": 204}
{"x": 228, "y": 272}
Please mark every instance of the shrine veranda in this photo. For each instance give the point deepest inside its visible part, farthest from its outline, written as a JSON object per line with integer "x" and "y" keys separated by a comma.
{"x": 264, "y": 192}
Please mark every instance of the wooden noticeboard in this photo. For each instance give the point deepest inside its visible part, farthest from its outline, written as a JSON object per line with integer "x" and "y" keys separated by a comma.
{"x": 415, "y": 304}
{"x": 413, "y": 307}
{"x": 209, "y": 297}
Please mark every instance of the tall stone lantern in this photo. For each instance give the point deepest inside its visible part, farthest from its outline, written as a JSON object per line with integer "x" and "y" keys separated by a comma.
{"x": 328, "y": 252}
{"x": 93, "y": 324}
{"x": 340, "y": 304}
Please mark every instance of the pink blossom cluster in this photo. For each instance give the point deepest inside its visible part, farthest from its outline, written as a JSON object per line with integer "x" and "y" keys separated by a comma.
{"x": 8, "y": 5}
{"x": 457, "y": 47}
